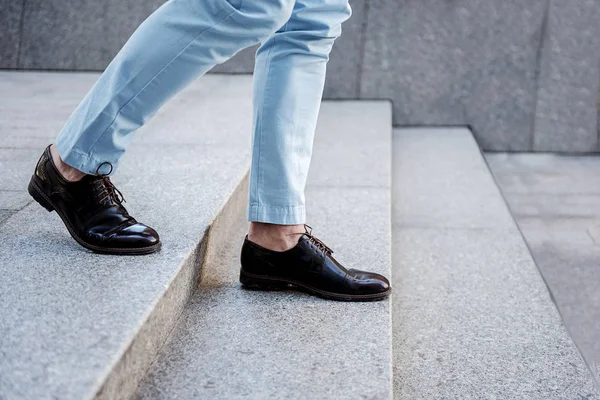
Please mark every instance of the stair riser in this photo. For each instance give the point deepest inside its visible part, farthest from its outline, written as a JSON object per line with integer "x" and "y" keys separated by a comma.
{"x": 129, "y": 370}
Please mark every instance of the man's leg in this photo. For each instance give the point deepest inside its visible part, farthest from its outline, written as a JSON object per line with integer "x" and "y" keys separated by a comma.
{"x": 288, "y": 85}
{"x": 179, "y": 42}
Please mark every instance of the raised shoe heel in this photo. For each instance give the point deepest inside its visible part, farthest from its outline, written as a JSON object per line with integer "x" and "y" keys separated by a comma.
{"x": 260, "y": 283}
{"x": 37, "y": 196}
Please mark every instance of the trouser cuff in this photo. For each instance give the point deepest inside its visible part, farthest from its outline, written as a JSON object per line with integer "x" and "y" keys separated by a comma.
{"x": 293, "y": 215}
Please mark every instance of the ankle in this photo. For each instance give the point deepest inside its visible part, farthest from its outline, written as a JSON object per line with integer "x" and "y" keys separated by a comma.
{"x": 69, "y": 173}
{"x": 275, "y": 237}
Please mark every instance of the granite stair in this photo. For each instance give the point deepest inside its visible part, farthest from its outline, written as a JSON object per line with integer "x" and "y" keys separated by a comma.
{"x": 469, "y": 317}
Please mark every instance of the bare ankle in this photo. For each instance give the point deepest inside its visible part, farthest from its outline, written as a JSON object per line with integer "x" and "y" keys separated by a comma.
{"x": 69, "y": 173}
{"x": 275, "y": 237}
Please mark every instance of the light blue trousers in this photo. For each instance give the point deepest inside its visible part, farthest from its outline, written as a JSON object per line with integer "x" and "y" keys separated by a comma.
{"x": 181, "y": 41}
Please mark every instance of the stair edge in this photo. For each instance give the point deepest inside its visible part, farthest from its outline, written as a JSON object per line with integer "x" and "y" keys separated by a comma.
{"x": 123, "y": 377}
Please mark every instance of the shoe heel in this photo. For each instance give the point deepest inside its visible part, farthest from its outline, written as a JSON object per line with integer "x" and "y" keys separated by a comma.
{"x": 34, "y": 192}
{"x": 253, "y": 282}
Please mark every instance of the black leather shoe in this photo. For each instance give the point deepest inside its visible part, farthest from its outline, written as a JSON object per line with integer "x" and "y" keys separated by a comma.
{"x": 309, "y": 266}
{"x": 92, "y": 211}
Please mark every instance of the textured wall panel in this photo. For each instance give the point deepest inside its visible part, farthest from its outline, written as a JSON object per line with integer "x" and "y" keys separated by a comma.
{"x": 345, "y": 58}
{"x": 10, "y": 21}
{"x": 464, "y": 62}
{"x": 566, "y": 117}
{"x": 78, "y": 34}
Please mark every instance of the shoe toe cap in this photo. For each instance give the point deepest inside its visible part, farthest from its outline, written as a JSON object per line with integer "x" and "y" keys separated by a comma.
{"x": 136, "y": 235}
{"x": 369, "y": 282}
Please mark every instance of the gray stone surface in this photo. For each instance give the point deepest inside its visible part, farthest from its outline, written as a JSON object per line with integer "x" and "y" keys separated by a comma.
{"x": 78, "y": 35}
{"x": 35, "y": 112}
{"x": 465, "y": 198}
{"x": 10, "y": 21}
{"x": 345, "y": 62}
{"x": 594, "y": 232}
{"x": 457, "y": 63}
{"x": 569, "y": 80}
{"x": 358, "y": 123}
{"x": 235, "y": 343}
{"x": 18, "y": 163}
{"x": 13, "y": 199}
{"x": 4, "y": 214}
{"x": 83, "y": 325}
{"x": 472, "y": 316}
{"x": 556, "y": 202}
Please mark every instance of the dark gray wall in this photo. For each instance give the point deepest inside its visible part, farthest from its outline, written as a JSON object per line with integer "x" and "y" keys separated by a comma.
{"x": 524, "y": 74}
{"x": 11, "y": 12}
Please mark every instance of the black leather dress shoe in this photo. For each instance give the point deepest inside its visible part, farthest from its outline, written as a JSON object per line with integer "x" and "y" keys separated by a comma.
{"x": 309, "y": 266}
{"x": 92, "y": 211}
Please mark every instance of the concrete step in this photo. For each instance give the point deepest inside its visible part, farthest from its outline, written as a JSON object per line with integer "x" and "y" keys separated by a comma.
{"x": 472, "y": 315}
{"x": 78, "y": 325}
{"x": 233, "y": 343}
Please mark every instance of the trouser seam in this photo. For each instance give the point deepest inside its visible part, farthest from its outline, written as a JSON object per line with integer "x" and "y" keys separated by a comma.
{"x": 262, "y": 105}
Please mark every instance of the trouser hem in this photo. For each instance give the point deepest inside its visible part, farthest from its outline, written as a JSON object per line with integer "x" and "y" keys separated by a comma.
{"x": 293, "y": 215}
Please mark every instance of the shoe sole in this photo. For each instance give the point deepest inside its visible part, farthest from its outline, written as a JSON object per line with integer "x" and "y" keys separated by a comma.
{"x": 38, "y": 195}
{"x": 262, "y": 282}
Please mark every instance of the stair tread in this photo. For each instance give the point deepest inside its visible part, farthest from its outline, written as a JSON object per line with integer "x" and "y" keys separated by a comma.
{"x": 472, "y": 315}
{"x": 71, "y": 315}
{"x": 233, "y": 343}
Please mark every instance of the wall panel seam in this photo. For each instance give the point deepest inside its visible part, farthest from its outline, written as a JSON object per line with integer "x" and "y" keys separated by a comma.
{"x": 598, "y": 108}
{"x": 20, "y": 40}
{"x": 361, "y": 50}
{"x": 537, "y": 72}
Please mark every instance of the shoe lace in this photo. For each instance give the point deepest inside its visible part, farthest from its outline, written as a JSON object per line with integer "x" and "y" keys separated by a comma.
{"x": 314, "y": 240}
{"x": 106, "y": 189}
